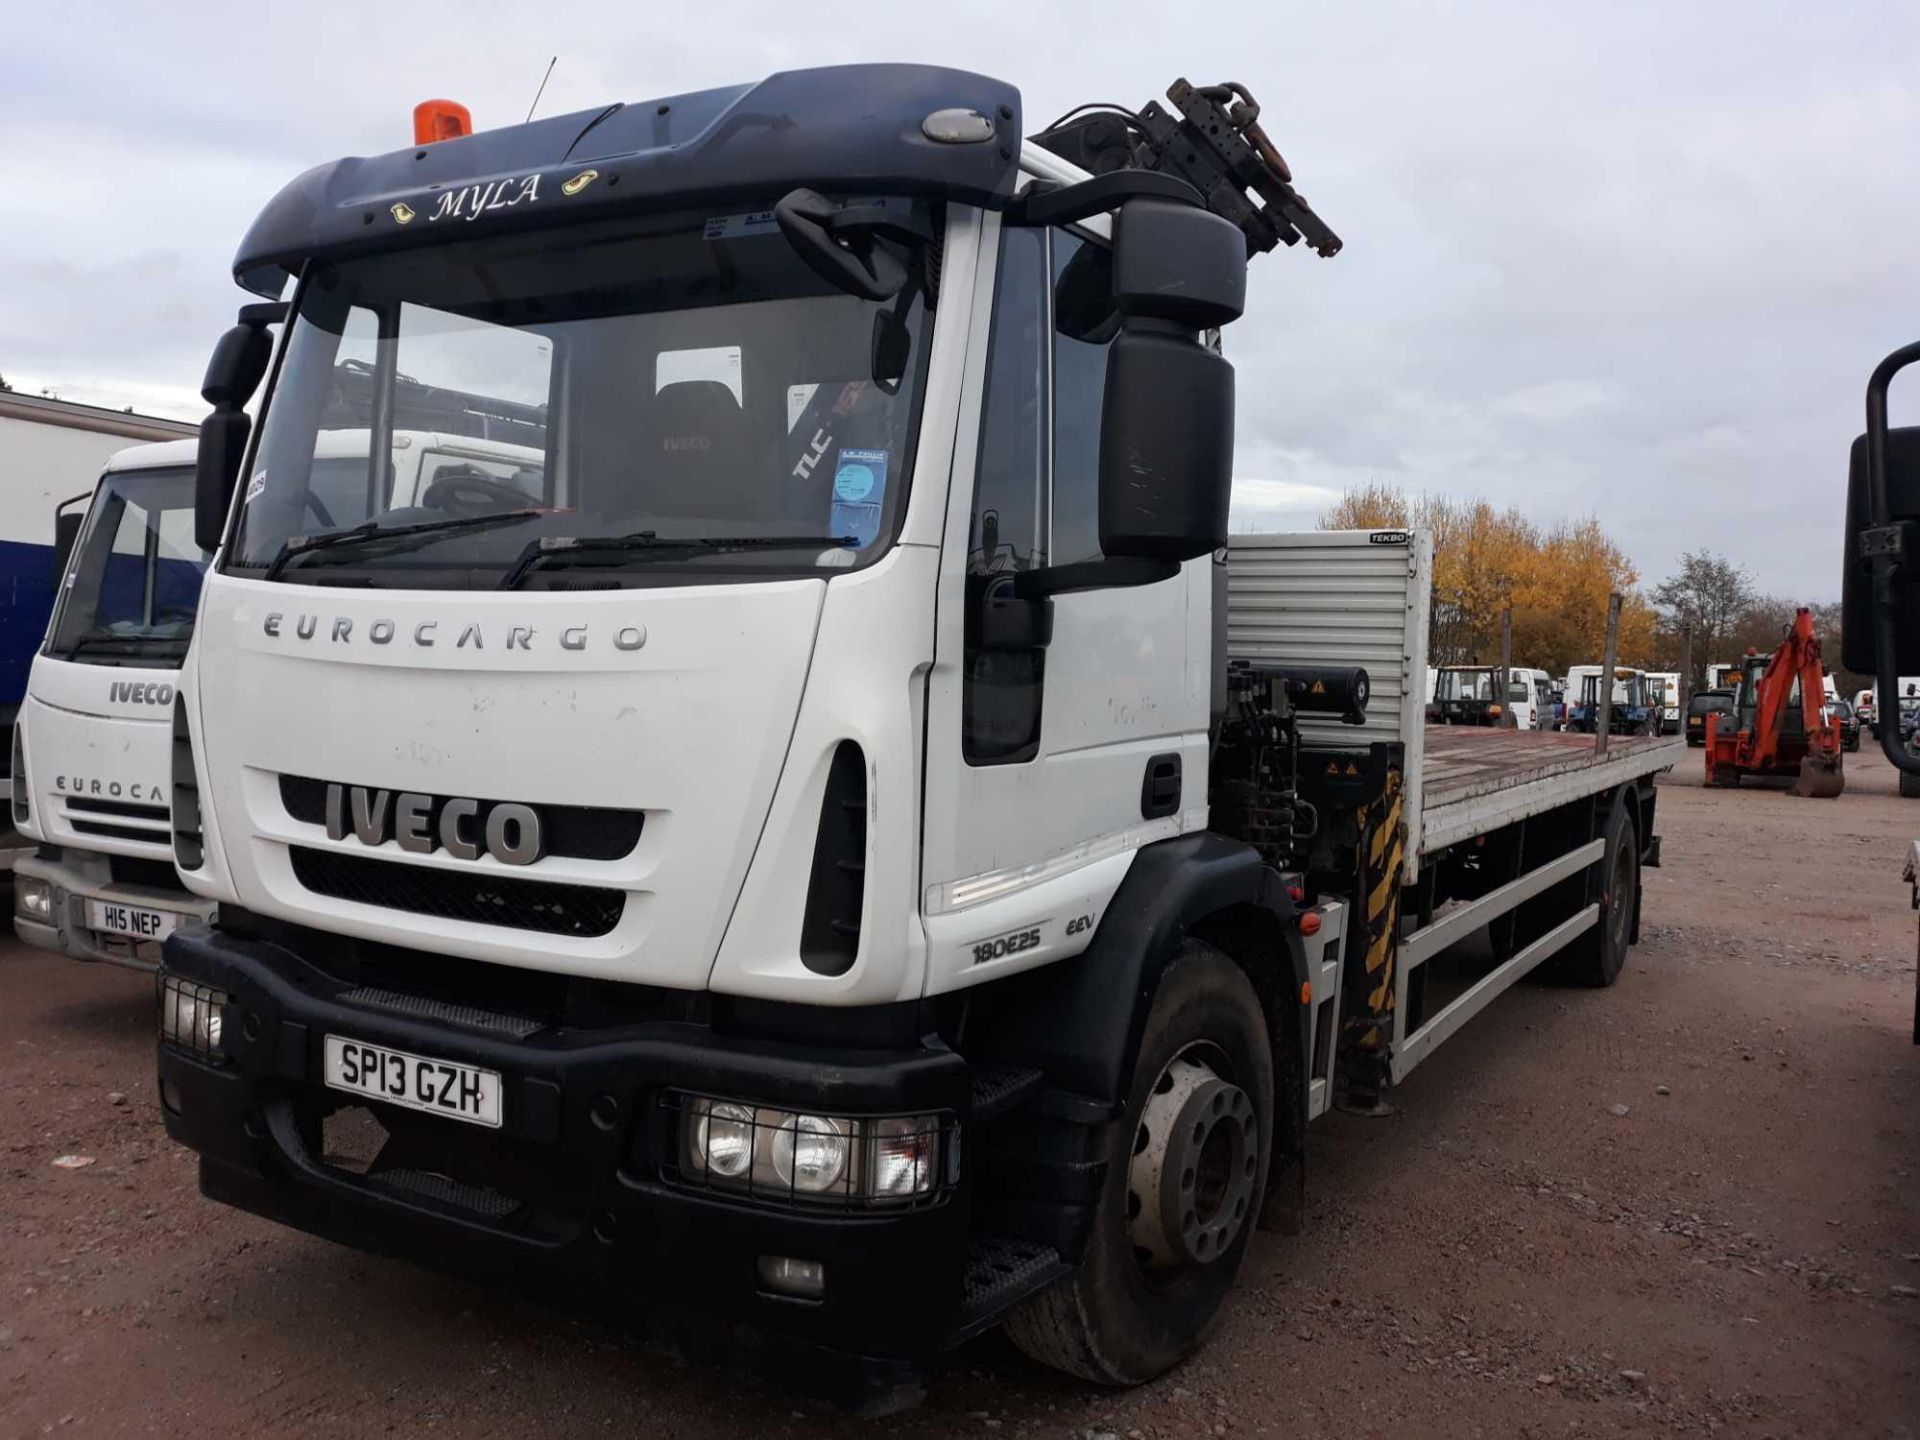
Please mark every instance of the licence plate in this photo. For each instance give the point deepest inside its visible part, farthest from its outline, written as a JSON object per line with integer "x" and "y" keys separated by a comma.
{"x": 133, "y": 920}
{"x": 439, "y": 1087}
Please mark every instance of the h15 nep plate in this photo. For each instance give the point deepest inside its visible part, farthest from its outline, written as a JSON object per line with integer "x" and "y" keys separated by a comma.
{"x": 138, "y": 922}
{"x": 438, "y": 1087}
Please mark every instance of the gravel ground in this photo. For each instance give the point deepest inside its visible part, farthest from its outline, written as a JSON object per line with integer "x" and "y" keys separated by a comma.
{"x": 1685, "y": 1205}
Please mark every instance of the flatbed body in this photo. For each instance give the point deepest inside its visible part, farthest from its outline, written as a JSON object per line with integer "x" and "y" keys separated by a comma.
{"x": 1478, "y": 780}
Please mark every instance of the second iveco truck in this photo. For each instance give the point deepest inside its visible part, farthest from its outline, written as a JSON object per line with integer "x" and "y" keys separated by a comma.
{"x": 827, "y": 843}
{"x": 92, "y": 747}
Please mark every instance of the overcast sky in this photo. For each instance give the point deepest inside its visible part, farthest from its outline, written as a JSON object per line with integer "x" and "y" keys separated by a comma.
{"x": 1629, "y": 260}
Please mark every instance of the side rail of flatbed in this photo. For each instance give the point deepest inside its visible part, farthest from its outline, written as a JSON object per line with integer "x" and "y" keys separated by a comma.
{"x": 1485, "y": 791}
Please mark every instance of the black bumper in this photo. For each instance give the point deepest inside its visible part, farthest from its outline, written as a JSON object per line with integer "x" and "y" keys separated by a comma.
{"x": 576, "y": 1190}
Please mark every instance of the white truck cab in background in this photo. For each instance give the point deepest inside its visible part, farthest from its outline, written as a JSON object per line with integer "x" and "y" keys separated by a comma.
{"x": 92, "y": 744}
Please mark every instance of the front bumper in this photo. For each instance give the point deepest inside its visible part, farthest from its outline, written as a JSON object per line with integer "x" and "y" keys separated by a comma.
{"x": 77, "y": 877}
{"x": 576, "y": 1188}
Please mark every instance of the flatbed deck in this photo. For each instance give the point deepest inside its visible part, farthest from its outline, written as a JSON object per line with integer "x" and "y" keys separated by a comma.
{"x": 1476, "y": 779}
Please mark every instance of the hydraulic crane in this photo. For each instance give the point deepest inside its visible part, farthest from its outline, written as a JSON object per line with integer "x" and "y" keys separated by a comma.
{"x": 1766, "y": 734}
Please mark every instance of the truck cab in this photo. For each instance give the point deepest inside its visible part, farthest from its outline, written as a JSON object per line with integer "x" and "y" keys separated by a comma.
{"x": 93, "y": 742}
{"x": 765, "y": 851}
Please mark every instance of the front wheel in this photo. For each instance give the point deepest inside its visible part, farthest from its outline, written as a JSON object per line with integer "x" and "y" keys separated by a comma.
{"x": 1184, "y": 1183}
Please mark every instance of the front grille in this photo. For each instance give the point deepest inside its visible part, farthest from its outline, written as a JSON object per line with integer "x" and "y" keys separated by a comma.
{"x": 480, "y": 896}
{"x": 132, "y": 870}
{"x": 124, "y": 809}
{"x": 577, "y": 832}
{"x": 116, "y": 832}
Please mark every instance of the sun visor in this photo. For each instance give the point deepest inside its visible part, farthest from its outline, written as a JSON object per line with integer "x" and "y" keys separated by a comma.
{"x": 851, "y": 127}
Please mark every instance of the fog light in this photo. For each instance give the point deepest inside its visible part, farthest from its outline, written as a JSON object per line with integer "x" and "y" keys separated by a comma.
{"x": 810, "y": 1152}
{"x": 784, "y": 1275}
{"x": 33, "y": 899}
{"x": 722, "y": 1138}
{"x": 191, "y": 1015}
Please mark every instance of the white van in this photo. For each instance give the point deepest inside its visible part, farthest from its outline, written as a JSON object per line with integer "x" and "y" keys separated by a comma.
{"x": 1663, "y": 689}
{"x": 1530, "y": 698}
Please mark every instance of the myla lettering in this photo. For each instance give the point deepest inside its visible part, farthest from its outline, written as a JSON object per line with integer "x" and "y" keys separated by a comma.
{"x": 464, "y": 828}
{"x": 470, "y": 202}
{"x": 473, "y": 635}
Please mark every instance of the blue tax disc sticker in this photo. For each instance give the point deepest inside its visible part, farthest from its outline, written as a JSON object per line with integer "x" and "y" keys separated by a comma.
{"x": 859, "y": 487}
{"x": 859, "y": 475}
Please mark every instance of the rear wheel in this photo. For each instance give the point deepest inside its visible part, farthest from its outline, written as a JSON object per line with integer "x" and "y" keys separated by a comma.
{"x": 1910, "y": 785}
{"x": 1183, "y": 1186}
{"x": 1595, "y": 956}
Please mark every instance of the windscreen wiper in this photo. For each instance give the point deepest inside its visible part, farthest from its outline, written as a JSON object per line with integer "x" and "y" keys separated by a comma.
{"x": 296, "y": 545}
{"x": 96, "y": 639}
{"x": 566, "y": 550}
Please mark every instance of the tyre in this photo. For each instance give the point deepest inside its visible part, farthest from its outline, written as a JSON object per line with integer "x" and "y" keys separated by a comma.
{"x": 1596, "y": 955}
{"x": 1910, "y": 786}
{"x": 1184, "y": 1184}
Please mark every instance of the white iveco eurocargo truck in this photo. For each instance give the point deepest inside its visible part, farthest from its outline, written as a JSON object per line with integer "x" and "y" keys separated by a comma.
{"x": 837, "y": 839}
{"x": 93, "y": 743}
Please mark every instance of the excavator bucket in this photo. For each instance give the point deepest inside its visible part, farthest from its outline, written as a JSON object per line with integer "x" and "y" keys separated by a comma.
{"x": 1820, "y": 777}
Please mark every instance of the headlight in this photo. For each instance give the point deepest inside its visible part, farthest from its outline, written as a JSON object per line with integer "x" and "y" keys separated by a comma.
{"x": 790, "y": 1156}
{"x": 810, "y": 1153}
{"x": 190, "y": 1015}
{"x": 33, "y": 899}
{"x": 723, "y": 1139}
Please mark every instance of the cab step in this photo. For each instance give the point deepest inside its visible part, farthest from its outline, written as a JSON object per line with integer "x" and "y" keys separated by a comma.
{"x": 996, "y": 1089}
{"x": 1003, "y": 1270}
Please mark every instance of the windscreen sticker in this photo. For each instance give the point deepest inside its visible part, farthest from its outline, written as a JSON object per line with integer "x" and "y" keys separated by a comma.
{"x": 254, "y": 487}
{"x": 736, "y": 227}
{"x": 798, "y": 398}
{"x": 859, "y": 489}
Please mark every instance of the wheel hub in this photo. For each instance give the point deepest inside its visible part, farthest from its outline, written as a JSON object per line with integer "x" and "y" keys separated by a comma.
{"x": 1195, "y": 1156}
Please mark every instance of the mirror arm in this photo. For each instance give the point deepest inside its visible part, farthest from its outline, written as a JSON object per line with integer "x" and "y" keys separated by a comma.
{"x": 1066, "y": 204}
{"x": 1112, "y": 572}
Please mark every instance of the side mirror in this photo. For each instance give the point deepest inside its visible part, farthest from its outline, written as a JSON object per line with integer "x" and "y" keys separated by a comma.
{"x": 1166, "y": 427}
{"x": 66, "y": 532}
{"x": 234, "y": 372}
{"x": 1861, "y": 617}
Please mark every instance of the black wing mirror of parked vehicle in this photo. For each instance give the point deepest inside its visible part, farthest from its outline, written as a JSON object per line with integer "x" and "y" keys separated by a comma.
{"x": 66, "y": 531}
{"x": 234, "y": 372}
{"x": 1880, "y": 587}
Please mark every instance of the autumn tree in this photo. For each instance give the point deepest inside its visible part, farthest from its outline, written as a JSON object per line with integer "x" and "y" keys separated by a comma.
{"x": 1487, "y": 560}
{"x": 1712, "y": 596}
{"x": 1372, "y": 506}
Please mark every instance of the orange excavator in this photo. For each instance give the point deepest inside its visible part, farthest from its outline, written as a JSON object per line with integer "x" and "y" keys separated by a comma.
{"x": 1780, "y": 724}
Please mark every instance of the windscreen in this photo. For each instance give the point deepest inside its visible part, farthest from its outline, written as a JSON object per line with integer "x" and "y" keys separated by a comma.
{"x": 1466, "y": 685}
{"x": 133, "y": 584}
{"x": 675, "y": 389}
